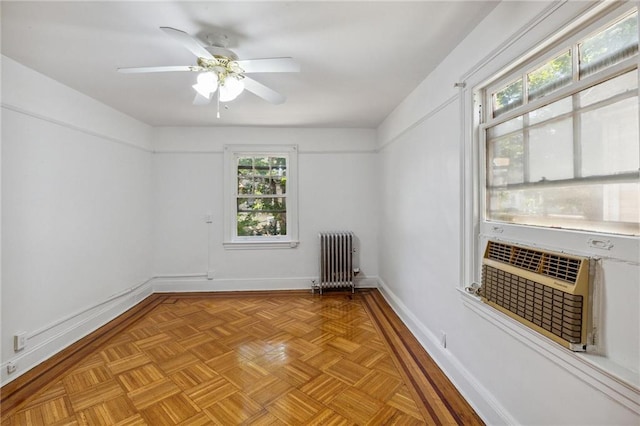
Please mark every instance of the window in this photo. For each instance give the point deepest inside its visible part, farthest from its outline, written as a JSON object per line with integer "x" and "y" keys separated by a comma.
{"x": 562, "y": 139}
{"x": 261, "y": 196}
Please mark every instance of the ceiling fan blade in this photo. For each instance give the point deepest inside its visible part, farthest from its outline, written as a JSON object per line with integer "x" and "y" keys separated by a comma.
{"x": 269, "y": 65}
{"x": 158, "y": 69}
{"x": 201, "y": 100}
{"x": 187, "y": 41}
{"x": 263, "y": 91}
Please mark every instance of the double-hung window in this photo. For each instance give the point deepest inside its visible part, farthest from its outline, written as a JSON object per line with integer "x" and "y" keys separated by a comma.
{"x": 261, "y": 196}
{"x": 561, "y": 134}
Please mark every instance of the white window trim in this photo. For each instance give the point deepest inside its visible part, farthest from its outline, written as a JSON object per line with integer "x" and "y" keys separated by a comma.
{"x": 231, "y": 240}
{"x": 618, "y": 384}
{"x": 591, "y": 243}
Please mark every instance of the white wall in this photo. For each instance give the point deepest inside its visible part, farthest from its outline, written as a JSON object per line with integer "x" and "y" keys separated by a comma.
{"x": 505, "y": 371}
{"x": 337, "y": 191}
{"x": 96, "y": 204}
{"x": 89, "y": 213}
{"x": 76, "y": 203}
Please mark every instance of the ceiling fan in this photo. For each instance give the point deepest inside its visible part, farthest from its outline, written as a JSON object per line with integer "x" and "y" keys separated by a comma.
{"x": 221, "y": 71}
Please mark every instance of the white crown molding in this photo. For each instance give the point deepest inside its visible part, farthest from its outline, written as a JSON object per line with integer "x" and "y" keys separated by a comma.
{"x": 73, "y": 127}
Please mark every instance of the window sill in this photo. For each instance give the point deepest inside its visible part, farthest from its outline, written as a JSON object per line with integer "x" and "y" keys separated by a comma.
{"x": 258, "y": 245}
{"x": 617, "y": 382}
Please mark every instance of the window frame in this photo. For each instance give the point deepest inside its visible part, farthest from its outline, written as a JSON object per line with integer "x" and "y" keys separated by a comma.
{"x": 520, "y": 69}
{"x": 538, "y": 37}
{"x": 231, "y": 238}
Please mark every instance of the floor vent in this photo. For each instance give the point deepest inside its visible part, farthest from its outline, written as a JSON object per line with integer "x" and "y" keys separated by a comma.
{"x": 546, "y": 291}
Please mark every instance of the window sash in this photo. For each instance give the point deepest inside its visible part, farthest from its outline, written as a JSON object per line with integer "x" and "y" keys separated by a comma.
{"x": 477, "y": 228}
{"x": 515, "y": 173}
{"x": 511, "y": 178}
{"x": 283, "y": 233}
{"x": 554, "y": 48}
{"x": 621, "y": 68}
{"x": 240, "y": 196}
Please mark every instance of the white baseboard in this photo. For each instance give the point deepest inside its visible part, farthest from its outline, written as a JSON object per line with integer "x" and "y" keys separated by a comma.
{"x": 52, "y": 339}
{"x": 482, "y": 401}
{"x": 196, "y": 284}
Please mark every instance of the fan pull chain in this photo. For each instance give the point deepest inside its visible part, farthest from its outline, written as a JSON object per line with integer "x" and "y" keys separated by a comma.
{"x": 218, "y": 97}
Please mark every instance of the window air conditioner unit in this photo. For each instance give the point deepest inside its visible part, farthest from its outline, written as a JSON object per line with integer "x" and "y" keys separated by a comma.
{"x": 546, "y": 291}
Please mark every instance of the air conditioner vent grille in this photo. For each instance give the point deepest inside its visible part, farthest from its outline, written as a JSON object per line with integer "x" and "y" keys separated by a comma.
{"x": 555, "y": 266}
{"x": 499, "y": 252}
{"x": 555, "y": 311}
{"x": 560, "y": 267}
{"x": 526, "y": 259}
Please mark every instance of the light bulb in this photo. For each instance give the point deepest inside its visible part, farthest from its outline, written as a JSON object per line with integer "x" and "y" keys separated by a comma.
{"x": 207, "y": 84}
{"x": 231, "y": 88}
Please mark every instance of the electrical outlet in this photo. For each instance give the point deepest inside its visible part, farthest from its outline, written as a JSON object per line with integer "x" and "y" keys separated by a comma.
{"x": 11, "y": 367}
{"x": 210, "y": 274}
{"x": 19, "y": 341}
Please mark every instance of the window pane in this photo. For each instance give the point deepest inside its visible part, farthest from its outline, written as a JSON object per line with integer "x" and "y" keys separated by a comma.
{"x": 551, "y": 151}
{"x": 611, "y": 139}
{"x": 596, "y": 207}
{"x": 262, "y": 175}
{"x": 259, "y": 185}
{"x": 610, "y": 88}
{"x": 508, "y": 98}
{"x": 608, "y": 47}
{"x": 261, "y": 216}
{"x": 261, "y": 204}
{"x": 506, "y": 127}
{"x": 505, "y": 160}
{"x": 574, "y": 163}
{"x": 550, "y": 111}
{"x": 551, "y": 76}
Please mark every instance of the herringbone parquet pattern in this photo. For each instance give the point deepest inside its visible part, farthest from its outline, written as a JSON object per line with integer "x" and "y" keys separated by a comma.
{"x": 281, "y": 359}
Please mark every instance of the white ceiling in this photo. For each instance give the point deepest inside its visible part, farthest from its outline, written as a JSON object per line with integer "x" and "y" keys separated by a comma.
{"x": 358, "y": 59}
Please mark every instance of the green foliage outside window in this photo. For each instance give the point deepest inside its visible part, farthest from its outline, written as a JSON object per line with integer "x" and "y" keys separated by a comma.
{"x": 617, "y": 42}
{"x": 554, "y": 74}
{"x": 261, "y": 201}
{"x": 508, "y": 98}
{"x": 607, "y": 47}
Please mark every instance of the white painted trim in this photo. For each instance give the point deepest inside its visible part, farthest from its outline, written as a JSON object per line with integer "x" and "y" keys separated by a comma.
{"x": 300, "y": 152}
{"x": 73, "y": 127}
{"x": 200, "y": 152}
{"x": 194, "y": 284}
{"x": 259, "y": 245}
{"x": 617, "y": 387}
{"x": 529, "y": 26}
{"x": 339, "y": 152}
{"x": 70, "y": 317}
{"x": 578, "y": 364}
{"x": 60, "y": 334}
{"x": 596, "y": 371}
{"x": 230, "y": 194}
{"x": 482, "y": 401}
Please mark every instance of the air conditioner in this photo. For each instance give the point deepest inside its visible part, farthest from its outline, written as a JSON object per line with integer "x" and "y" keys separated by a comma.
{"x": 546, "y": 291}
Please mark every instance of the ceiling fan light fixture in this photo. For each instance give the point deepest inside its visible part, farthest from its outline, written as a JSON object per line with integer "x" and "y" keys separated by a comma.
{"x": 207, "y": 84}
{"x": 231, "y": 88}
{"x": 220, "y": 70}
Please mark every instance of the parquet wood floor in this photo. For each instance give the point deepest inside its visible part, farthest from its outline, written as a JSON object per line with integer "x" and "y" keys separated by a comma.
{"x": 283, "y": 358}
